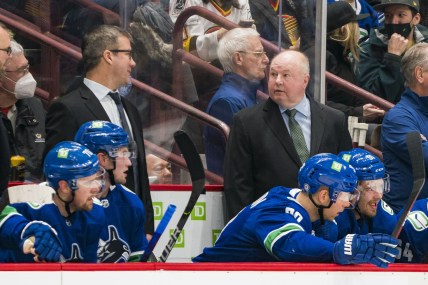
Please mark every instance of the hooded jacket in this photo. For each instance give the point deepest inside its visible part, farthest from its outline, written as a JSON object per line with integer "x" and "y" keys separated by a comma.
{"x": 379, "y": 71}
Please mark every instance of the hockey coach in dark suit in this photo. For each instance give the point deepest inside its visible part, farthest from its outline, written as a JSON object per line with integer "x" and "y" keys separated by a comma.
{"x": 269, "y": 142}
{"x": 107, "y": 61}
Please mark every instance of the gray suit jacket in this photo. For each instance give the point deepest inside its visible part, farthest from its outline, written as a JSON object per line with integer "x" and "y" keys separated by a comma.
{"x": 260, "y": 153}
{"x": 68, "y": 113}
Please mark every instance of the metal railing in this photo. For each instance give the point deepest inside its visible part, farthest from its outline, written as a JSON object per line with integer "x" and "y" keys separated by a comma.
{"x": 180, "y": 55}
{"x": 74, "y": 52}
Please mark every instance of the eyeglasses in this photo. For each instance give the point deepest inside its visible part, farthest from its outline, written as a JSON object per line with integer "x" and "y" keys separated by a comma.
{"x": 7, "y": 50}
{"x": 256, "y": 53}
{"x": 129, "y": 51}
{"x": 24, "y": 70}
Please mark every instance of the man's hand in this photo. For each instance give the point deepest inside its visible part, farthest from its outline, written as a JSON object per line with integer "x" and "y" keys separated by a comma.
{"x": 378, "y": 249}
{"x": 370, "y": 111}
{"x": 40, "y": 239}
{"x": 397, "y": 44}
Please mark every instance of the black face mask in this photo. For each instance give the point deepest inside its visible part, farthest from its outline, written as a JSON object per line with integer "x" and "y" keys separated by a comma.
{"x": 401, "y": 29}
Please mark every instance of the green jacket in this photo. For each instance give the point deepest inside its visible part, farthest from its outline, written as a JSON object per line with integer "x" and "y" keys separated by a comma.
{"x": 379, "y": 71}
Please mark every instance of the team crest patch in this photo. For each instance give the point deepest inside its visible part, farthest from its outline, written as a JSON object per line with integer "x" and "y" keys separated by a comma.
{"x": 178, "y": 7}
{"x": 346, "y": 157}
{"x": 63, "y": 153}
{"x": 97, "y": 124}
{"x": 336, "y": 166}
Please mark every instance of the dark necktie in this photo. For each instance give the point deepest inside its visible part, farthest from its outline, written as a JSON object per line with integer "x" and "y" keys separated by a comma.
{"x": 297, "y": 136}
{"x": 116, "y": 98}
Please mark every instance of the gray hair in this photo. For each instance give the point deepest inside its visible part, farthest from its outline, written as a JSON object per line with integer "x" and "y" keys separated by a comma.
{"x": 16, "y": 48}
{"x": 233, "y": 41}
{"x": 99, "y": 39}
{"x": 416, "y": 56}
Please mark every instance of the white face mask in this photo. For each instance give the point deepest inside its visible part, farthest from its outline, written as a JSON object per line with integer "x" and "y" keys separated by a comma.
{"x": 25, "y": 87}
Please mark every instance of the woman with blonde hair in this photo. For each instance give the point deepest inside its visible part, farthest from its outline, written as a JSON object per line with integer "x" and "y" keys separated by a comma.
{"x": 342, "y": 53}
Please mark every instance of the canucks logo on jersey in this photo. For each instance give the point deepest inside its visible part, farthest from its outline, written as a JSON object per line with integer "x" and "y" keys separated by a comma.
{"x": 114, "y": 249}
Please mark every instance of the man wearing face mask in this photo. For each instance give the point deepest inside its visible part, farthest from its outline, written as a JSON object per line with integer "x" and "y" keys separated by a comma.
{"x": 378, "y": 70}
{"x": 21, "y": 113}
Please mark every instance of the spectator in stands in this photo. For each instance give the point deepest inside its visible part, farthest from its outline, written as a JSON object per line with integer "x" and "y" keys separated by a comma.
{"x": 107, "y": 59}
{"x": 373, "y": 19}
{"x": 201, "y": 35}
{"x": 22, "y": 114}
{"x": 5, "y": 52}
{"x": 269, "y": 142}
{"x": 341, "y": 55}
{"x": 244, "y": 62}
{"x": 410, "y": 114}
{"x": 158, "y": 169}
{"x": 378, "y": 70}
{"x": 278, "y": 226}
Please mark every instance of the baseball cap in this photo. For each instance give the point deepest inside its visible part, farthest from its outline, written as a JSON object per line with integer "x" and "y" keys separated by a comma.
{"x": 411, "y": 3}
{"x": 340, "y": 13}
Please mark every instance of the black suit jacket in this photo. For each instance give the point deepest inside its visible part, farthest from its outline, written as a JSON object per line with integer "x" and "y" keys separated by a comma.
{"x": 260, "y": 153}
{"x": 68, "y": 113}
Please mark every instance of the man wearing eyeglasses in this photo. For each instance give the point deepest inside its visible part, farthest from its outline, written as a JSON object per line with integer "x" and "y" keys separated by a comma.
{"x": 107, "y": 61}
{"x": 22, "y": 114}
{"x": 5, "y": 50}
{"x": 244, "y": 62}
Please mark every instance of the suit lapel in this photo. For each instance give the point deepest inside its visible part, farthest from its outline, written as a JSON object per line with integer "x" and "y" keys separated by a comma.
{"x": 274, "y": 121}
{"x": 92, "y": 103}
{"x": 317, "y": 125}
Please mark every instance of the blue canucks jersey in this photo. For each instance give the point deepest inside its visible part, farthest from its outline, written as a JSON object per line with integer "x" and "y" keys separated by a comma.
{"x": 125, "y": 212}
{"x": 274, "y": 228}
{"x": 79, "y": 234}
{"x": 412, "y": 239}
{"x": 414, "y": 236}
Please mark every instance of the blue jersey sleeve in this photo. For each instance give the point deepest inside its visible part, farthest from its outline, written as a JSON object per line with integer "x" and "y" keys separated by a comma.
{"x": 11, "y": 225}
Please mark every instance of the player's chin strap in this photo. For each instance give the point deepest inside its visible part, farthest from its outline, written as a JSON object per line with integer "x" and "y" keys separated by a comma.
{"x": 320, "y": 208}
{"x": 67, "y": 204}
{"x": 110, "y": 171}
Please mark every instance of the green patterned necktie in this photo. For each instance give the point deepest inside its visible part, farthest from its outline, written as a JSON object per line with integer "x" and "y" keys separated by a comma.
{"x": 297, "y": 136}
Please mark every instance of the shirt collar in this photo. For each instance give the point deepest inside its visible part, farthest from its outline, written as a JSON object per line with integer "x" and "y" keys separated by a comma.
{"x": 99, "y": 90}
{"x": 303, "y": 107}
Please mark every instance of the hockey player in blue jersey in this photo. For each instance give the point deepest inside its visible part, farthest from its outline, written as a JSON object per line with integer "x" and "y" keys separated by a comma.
{"x": 74, "y": 172}
{"x": 372, "y": 214}
{"x": 278, "y": 226}
{"x": 124, "y": 210}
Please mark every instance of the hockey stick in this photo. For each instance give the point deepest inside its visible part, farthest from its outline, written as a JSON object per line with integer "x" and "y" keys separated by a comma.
{"x": 414, "y": 146}
{"x": 197, "y": 174}
{"x": 159, "y": 231}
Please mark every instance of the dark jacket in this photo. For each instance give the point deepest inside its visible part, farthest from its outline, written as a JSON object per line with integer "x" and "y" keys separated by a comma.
{"x": 260, "y": 153}
{"x": 337, "y": 98}
{"x": 69, "y": 112}
{"x": 379, "y": 71}
{"x": 29, "y": 138}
